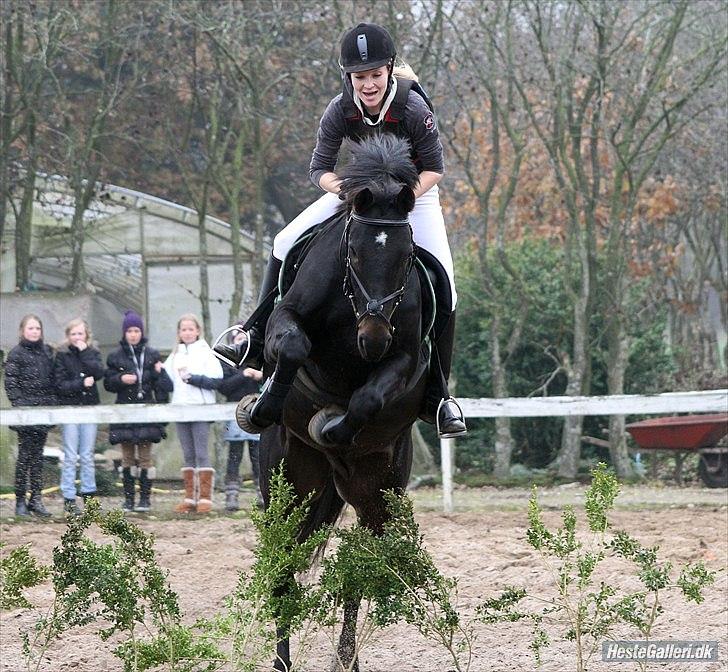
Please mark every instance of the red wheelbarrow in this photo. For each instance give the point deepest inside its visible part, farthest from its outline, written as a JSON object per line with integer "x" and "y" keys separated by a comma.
{"x": 688, "y": 433}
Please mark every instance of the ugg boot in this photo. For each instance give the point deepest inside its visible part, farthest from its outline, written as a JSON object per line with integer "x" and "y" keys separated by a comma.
{"x": 146, "y": 476}
{"x": 206, "y": 479}
{"x": 188, "y": 504}
{"x": 232, "y": 491}
{"x": 127, "y": 481}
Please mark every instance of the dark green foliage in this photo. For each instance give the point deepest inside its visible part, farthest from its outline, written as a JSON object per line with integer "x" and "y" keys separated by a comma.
{"x": 19, "y": 570}
{"x": 533, "y": 366}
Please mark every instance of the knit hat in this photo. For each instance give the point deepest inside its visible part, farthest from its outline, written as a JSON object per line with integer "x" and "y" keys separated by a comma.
{"x": 132, "y": 319}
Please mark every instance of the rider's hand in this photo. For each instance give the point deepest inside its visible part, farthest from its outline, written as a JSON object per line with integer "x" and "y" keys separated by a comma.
{"x": 88, "y": 381}
{"x": 128, "y": 378}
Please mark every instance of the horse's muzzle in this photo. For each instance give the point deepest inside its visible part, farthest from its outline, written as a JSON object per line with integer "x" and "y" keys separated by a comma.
{"x": 373, "y": 339}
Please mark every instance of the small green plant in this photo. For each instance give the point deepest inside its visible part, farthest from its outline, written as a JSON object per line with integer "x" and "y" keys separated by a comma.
{"x": 392, "y": 574}
{"x": 397, "y": 580}
{"x": 591, "y": 609}
{"x": 19, "y": 570}
{"x": 121, "y": 585}
{"x": 271, "y": 593}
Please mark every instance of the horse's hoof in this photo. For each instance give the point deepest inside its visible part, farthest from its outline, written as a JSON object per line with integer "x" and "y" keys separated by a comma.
{"x": 323, "y": 421}
{"x": 244, "y": 414}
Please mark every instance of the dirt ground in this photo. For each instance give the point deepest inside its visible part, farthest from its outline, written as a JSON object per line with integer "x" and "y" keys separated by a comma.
{"x": 482, "y": 544}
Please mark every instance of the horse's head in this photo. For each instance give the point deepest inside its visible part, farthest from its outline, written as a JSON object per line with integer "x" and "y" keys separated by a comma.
{"x": 378, "y": 186}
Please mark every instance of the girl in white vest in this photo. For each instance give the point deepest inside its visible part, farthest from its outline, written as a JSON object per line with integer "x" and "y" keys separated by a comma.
{"x": 196, "y": 373}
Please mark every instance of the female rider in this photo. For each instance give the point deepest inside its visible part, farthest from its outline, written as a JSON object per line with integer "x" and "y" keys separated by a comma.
{"x": 373, "y": 100}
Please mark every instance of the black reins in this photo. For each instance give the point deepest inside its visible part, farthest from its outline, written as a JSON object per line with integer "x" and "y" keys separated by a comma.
{"x": 374, "y": 307}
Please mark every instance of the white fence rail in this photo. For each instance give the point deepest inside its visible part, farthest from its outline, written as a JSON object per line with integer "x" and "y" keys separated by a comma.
{"x": 709, "y": 401}
{"x": 704, "y": 401}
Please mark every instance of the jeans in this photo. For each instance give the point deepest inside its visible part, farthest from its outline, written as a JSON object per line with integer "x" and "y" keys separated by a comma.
{"x": 79, "y": 442}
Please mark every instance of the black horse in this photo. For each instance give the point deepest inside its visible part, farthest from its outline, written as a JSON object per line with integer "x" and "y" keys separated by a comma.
{"x": 346, "y": 346}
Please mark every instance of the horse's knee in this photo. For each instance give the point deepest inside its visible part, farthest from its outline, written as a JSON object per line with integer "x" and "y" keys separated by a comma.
{"x": 366, "y": 402}
{"x": 293, "y": 346}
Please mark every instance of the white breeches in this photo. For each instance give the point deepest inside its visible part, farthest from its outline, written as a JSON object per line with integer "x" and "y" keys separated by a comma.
{"x": 428, "y": 228}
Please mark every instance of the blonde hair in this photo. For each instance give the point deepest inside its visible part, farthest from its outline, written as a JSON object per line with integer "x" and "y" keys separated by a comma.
{"x": 77, "y": 322}
{"x": 404, "y": 71}
{"x": 187, "y": 317}
{"x": 27, "y": 318}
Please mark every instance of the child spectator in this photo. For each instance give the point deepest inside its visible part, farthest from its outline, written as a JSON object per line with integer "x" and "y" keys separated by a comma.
{"x": 29, "y": 382}
{"x": 235, "y": 385}
{"x": 134, "y": 371}
{"x": 195, "y": 372}
{"x": 77, "y": 368}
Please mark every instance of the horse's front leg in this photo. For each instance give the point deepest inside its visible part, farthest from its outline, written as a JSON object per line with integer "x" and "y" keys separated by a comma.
{"x": 346, "y": 658}
{"x": 288, "y": 345}
{"x": 330, "y": 428}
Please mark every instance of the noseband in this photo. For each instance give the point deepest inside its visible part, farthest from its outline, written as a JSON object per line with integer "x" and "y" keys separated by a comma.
{"x": 374, "y": 307}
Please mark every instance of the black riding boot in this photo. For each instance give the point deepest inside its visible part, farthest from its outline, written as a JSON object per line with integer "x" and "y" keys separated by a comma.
{"x": 439, "y": 407}
{"x": 127, "y": 481}
{"x": 145, "y": 491}
{"x": 249, "y": 352}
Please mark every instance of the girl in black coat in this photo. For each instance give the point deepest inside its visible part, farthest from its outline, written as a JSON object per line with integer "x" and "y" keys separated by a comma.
{"x": 134, "y": 371}
{"x": 77, "y": 368}
{"x": 29, "y": 382}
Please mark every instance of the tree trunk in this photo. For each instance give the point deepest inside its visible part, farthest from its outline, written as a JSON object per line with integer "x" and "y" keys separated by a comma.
{"x": 204, "y": 276}
{"x": 503, "y": 438}
{"x": 24, "y": 221}
{"x": 236, "y": 299}
{"x": 570, "y": 451}
{"x": 618, "y": 354}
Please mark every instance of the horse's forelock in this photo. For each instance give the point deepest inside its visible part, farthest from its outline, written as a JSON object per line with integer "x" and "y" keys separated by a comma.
{"x": 381, "y": 164}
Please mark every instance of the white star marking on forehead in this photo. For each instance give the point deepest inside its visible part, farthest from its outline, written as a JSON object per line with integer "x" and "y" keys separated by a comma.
{"x": 381, "y": 239}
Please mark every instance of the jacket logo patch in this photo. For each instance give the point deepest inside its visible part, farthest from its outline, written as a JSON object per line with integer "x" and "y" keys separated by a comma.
{"x": 429, "y": 121}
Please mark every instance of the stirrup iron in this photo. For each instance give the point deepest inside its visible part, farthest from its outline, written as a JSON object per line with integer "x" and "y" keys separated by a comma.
{"x": 219, "y": 341}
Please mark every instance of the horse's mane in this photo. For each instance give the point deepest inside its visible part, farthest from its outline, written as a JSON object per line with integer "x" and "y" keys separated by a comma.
{"x": 381, "y": 163}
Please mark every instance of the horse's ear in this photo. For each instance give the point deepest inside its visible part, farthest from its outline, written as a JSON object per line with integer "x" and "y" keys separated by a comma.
{"x": 363, "y": 200}
{"x": 406, "y": 199}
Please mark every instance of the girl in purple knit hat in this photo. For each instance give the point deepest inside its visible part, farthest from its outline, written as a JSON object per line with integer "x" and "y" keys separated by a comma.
{"x": 134, "y": 372}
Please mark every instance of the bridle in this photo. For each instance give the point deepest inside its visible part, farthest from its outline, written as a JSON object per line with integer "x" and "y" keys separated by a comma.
{"x": 374, "y": 307}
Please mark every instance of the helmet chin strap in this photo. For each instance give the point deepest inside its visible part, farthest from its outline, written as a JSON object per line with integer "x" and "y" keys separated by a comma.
{"x": 385, "y": 103}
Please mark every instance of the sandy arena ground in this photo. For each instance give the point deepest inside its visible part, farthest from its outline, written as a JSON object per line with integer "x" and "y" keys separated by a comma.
{"x": 482, "y": 544}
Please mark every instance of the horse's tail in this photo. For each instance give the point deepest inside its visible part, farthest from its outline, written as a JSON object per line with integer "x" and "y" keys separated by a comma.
{"x": 325, "y": 510}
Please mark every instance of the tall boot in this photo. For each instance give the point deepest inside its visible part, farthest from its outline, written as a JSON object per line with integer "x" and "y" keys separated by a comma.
{"x": 206, "y": 480}
{"x": 249, "y": 352}
{"x": 188, "y": 504}
{"x": 35, "y": 505}
{"x": 127, "y": 480}
{"x": 232, "y": 493}
{"x": 439, "y": 407}
{"x": 146, "y": 477}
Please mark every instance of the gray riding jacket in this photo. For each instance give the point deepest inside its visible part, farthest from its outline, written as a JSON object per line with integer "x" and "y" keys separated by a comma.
{"x": 420, "y": 126}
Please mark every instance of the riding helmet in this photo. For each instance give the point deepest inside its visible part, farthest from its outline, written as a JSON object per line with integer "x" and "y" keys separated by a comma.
{"x": 365, "y": 47}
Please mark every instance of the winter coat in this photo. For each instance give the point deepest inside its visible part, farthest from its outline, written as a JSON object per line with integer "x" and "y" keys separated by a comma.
{"x": 152, "y": 387}
{"x": 234, "y": 385}
{"x": 71, "y": 367}
{"x": 197, "y": 360}
{"x": 29, "y": 375}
